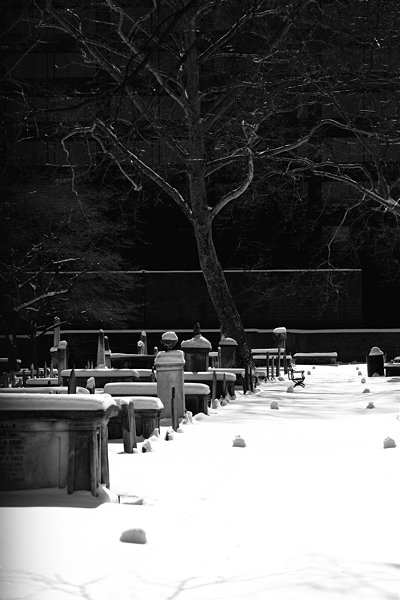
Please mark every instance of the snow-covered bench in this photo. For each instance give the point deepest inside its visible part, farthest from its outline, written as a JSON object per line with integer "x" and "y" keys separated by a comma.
{"x": 296, "y": 375}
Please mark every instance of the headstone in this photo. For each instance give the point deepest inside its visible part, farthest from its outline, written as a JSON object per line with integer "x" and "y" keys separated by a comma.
{"x": 227, "y": 349}
{"x": 375, "y": 362}
{"x": 62, "y": 359}
{"x": 101, "y": 351}
{"x": 143, "y": 339}
{"x": 169, "y": 366}
{"x": 56, "y": 341}
{"x": 107, "y": 352}
{"x": 196, "y": 351}
{"x": 280, "y": 335}
{"x": 128, "y": 427}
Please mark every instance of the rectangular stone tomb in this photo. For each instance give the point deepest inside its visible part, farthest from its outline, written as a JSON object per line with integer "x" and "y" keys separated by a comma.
{"x": 146, "y": 374}
{"x": 101, "y": 376}
{"x": 41, "y": 381}
{"x": 207, "y": 377}
{"x": 147, "y": 415}
{"x": 260, "y": 356}
{"x": 196, "y": 394}
{"x": 391, "y": 369}
{"x": 132, "y": 361}
{"x": 42, "y": 390}
{"x": 238, "y": 372}
{"x": 131, "y": 388}
{"x": 54, "y": 440}
{"x": 196, "y": 397}
{"x": 315, "y": 358}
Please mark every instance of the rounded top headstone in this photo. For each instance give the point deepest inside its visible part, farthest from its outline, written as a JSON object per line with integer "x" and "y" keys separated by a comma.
{"x": 375, "y": 351}
{"x": 197, "y": 341}
{"x": 169, "y": 339}
{"x": 169, "y": 336}
{"x": 280, "y": 333}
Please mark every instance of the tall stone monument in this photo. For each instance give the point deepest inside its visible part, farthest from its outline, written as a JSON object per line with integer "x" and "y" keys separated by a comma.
{"x": 169, "y": 365}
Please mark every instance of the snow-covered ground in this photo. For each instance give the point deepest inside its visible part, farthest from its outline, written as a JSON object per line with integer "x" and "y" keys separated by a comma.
{"x": 308, "y": 509}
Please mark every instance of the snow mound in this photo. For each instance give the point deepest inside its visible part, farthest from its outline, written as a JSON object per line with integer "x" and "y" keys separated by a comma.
{"x": 389, "y": 443}
{"x": 134, "y": 536}
{"x": 238, "y": 442}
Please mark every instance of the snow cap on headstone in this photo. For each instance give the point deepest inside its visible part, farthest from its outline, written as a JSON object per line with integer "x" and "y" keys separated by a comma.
{"x": 375, "y": 351}
{"x": 197, "y": 341}
{"x": 227, "y": 341}
{"x": 280, "y": 333}
{"x": 169, "y": 339}
{"x": 169, "y": 336}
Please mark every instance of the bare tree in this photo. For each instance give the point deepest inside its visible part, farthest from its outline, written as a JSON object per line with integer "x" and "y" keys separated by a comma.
{"x": 185, "y": 91}
{"x": 32, "y": 293}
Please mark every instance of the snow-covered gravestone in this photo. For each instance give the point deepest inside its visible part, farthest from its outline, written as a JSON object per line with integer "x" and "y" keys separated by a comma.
{"x": 227, "y": 348}
{"x": 280, "y": 335}
{"x": 54, "y": 440}
{"x": 196, "y": 351}
{"x": 375, "y": 362}
{"x": 169, "y": 365}
{"x": 101, "y": 351}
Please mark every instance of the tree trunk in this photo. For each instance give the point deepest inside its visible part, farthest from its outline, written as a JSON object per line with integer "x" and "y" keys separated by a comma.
{"x": 229, "y": 318}
{"x": 230, "y": 322}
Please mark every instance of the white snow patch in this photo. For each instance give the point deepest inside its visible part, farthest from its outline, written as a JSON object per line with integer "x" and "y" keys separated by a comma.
{"x": 309, "y": 511}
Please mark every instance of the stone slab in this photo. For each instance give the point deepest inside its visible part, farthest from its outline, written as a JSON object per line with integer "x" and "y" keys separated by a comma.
{"x": 42, "y": 390}
{"x": 101, "y": 376}
{"x": 140, "y": 402}
{"x": 318, "y": 358}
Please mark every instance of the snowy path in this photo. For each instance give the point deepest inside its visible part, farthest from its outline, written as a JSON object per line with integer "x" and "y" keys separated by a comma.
{"x": 308, "y": 510}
